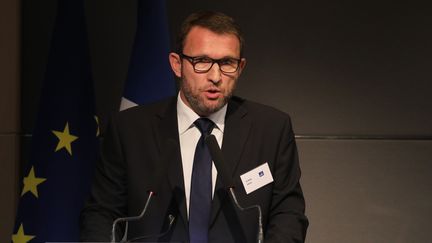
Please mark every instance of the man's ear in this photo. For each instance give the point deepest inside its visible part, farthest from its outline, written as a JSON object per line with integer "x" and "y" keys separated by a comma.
{"x": 175, "y": 62}
{"x": 242, "y": 65}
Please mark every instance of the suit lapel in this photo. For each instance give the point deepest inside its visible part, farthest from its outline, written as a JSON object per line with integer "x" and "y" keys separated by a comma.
{"x": 166, "y": 128}
{"x": 236, "y": 132}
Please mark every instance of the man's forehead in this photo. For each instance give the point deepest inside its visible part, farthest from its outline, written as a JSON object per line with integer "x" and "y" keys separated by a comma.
{"x": 206, "y": 40}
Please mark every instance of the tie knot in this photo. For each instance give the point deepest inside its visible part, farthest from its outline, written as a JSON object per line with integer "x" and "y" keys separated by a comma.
{"x": 205, "y": 125}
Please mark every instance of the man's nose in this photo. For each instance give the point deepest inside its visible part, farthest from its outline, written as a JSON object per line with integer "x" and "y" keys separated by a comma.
{"x": 215, "y": 74}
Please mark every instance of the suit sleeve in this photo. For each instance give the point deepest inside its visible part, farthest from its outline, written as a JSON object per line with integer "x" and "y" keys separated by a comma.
{"x": 287, "y": 222}
{"x": 108, "y": 196}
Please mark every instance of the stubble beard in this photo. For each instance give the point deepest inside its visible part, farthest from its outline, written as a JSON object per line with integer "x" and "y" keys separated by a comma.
{"x": 198, "y": 104}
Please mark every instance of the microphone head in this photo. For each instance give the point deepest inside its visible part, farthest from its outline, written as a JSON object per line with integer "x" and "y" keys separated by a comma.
{"x": 219, "y": 161}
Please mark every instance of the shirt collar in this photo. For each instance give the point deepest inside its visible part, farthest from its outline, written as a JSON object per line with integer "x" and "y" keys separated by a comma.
{"x": 186, "y": 116}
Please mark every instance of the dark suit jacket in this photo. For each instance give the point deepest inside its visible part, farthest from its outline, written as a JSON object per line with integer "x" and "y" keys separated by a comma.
{"x": 133, "y": 154}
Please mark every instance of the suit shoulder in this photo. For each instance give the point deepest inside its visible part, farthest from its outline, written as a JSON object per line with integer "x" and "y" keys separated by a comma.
{"x": 259, "y": 110}
{"x": 151, "y": 109}
{"x": 142, "y": 115}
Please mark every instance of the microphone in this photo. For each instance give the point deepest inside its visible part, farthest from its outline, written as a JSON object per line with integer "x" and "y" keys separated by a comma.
{"x": 129, "y": 219}
{"x": 228, "y": 182}
{"x": 171, "y": 219}
{"x": 170, "y": 147}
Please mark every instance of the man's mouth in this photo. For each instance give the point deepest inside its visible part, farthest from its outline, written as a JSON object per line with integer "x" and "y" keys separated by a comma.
{"x": 212, "y": 93}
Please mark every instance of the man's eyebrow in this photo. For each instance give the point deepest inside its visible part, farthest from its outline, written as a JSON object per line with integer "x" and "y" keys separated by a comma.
{"x": 227, "y": 57}
{"x": 201, "y": 56}
{"x": 222, "y": 58}
{"x": 230, "y": 57}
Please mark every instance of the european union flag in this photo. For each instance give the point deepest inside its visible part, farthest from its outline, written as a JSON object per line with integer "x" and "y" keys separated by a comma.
{"x": 64, "y": 144}
{"x": 149, "y": 77}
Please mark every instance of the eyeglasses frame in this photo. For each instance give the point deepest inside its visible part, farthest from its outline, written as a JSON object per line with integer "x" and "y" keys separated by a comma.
{"x": 193, "y": 61}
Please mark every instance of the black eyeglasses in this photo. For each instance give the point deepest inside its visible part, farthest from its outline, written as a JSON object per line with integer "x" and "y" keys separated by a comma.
{"x": 203, "y": 64}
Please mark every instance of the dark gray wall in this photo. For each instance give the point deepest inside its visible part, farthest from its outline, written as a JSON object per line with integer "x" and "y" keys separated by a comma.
{"x": 355, "y": 78}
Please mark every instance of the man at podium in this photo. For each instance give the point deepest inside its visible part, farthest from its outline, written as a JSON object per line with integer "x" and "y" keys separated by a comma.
{"x": 162, "y": 148}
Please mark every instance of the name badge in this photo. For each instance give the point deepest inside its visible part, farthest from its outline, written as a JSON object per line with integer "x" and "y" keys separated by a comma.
{"x": 256, "y": 178}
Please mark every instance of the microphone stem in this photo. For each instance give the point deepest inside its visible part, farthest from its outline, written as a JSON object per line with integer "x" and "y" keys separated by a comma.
{"x": 171, "y": 219}
{"x": 260, "y": 233}
{"x": 127, "y": 219}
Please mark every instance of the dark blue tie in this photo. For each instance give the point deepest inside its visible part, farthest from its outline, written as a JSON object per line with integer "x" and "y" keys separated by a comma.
{"x": 201, "y": 186}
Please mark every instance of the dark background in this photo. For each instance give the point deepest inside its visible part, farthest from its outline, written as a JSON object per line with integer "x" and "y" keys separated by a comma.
{"x": 354, "y": 76}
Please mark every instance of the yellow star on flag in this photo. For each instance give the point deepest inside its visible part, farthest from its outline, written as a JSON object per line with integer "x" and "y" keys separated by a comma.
{"x": 65, "y": 139}
{"x": 21, "y": 237}
{"x": 31, "y": 182}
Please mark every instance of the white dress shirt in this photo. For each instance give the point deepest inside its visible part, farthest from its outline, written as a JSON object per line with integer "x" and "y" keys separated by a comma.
{"x": 189, "y": 136}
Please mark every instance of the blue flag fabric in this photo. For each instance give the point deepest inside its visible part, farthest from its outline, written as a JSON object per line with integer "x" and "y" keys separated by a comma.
{"x": 149, "y": 77}
{"x": 64, "y": 144}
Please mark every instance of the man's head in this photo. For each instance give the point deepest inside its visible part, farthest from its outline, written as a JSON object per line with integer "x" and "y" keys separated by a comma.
{"x": 208, "y": 61}
{"x": 216, "y": 22}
